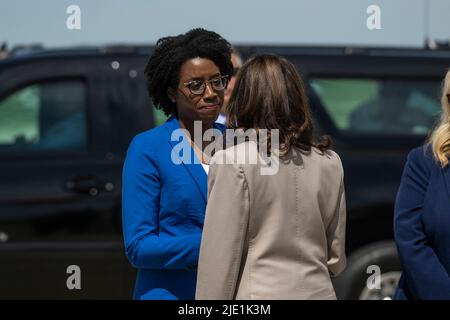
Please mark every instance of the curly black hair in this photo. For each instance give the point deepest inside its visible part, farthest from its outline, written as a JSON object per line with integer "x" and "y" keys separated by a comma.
{"x": 163, "y": 68}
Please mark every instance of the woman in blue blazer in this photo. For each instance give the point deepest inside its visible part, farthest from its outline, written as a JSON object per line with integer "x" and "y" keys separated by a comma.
{"x": 164, "y": 190}
{"x": 422, "y": 215}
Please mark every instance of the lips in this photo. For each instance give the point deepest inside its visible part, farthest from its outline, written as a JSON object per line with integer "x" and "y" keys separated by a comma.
{"x": 210, "y": 107}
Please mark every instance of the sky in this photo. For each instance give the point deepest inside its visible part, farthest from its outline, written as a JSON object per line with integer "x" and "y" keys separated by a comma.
{"x": 403, "y": 23}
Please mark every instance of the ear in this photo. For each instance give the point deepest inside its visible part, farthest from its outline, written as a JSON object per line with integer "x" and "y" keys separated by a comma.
{"x": 171, "y": 94}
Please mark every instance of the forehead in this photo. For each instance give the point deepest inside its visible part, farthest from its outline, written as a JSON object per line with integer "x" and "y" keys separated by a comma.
{"x": 201, "y": 68}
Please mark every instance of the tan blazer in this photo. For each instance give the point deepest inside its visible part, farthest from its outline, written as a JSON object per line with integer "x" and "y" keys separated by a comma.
{"x": 275, "y": 236}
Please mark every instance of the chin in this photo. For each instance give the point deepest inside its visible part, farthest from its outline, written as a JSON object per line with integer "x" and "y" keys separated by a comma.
{"x": 209, "y": 118}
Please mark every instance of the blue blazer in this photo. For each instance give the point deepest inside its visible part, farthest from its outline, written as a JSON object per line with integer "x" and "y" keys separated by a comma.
{"x": 163, "y": 208}
{"x": 422, "y": 228}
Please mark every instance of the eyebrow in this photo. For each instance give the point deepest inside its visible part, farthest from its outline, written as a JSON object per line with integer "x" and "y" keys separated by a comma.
{"x": 201, "y": 79}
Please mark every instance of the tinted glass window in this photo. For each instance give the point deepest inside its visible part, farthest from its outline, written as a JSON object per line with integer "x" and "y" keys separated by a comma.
{"x": 44, "y": 116}
{"x": 380, "y": 106}
{"x": 159, "y": 117}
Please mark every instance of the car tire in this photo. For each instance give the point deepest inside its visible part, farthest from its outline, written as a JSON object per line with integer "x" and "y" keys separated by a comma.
{"x": 352, "y": 284}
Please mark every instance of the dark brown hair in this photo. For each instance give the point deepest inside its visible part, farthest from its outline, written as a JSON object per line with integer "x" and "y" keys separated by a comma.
{"x": 269, "y": 94}
{"x": 163, "y": 67}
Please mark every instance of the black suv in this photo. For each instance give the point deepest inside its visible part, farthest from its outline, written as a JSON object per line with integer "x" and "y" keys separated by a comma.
{"x": 67, "y": 116}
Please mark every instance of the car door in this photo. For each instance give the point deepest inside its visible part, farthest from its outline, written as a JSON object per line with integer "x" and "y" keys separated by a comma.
{"x": 377, "y": 109}
{"x": 59, "y": 199}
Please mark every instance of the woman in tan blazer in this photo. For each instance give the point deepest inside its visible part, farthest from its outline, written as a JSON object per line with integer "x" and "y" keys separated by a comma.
{"x": 276, "y": 235}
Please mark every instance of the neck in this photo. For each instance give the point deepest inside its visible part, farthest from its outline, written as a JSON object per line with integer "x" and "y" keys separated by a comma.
{"x": 190, "y": 127}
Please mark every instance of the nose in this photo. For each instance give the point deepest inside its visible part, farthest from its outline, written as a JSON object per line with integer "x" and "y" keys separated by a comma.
{"x": 210, "y": 93}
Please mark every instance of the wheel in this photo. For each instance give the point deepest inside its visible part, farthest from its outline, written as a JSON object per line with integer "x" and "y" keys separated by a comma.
{"x": 358, "y": 279}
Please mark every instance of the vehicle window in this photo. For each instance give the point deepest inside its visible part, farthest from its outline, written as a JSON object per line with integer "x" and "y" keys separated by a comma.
{"x": 44, "y": 116}
{"x": 380, "y": 106}
{"x": 159, "y": 117}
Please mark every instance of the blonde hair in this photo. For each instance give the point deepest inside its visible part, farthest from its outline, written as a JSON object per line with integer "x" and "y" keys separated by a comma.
{"x": 439, "y": 139}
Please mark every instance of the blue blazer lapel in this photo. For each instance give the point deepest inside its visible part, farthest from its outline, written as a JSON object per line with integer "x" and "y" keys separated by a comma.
{"x": 194, "y": 168}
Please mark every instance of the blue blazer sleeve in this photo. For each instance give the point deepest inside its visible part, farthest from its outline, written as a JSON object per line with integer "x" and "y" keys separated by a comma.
{"x": 141, "y": 187}
{"x": 425, "y": 275}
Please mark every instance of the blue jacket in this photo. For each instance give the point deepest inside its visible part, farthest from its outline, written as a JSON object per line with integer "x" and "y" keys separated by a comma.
{"x": 422, "y": 228}
{"x": 163, "y": 208}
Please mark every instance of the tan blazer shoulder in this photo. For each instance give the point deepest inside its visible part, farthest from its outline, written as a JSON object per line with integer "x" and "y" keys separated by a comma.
{"x": 272, "y": 236}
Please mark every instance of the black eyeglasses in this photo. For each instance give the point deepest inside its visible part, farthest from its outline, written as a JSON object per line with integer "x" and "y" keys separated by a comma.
{"x": 198, "y": 87}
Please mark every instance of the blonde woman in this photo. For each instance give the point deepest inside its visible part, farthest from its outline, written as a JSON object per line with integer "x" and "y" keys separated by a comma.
{"x": 422, "y": 214}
